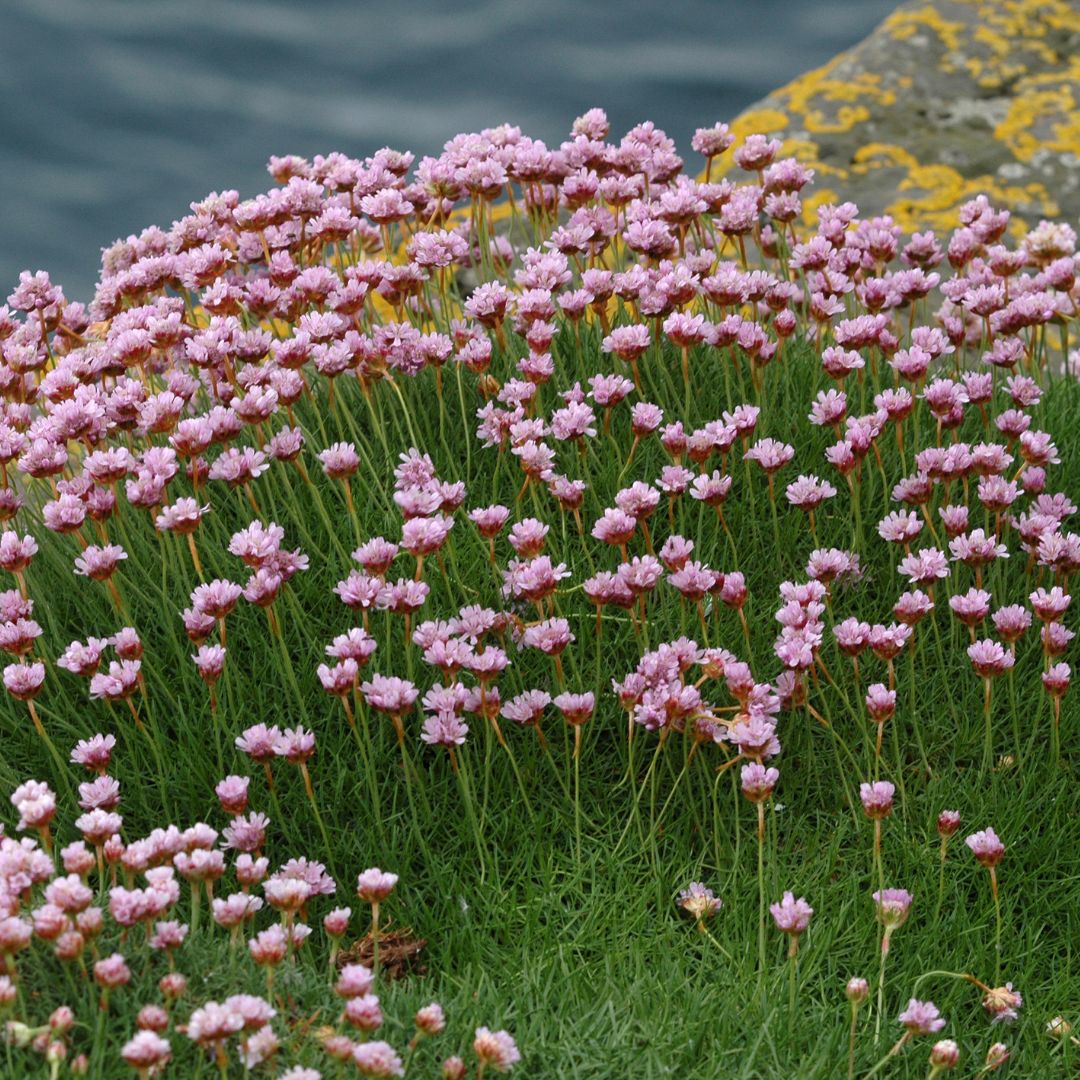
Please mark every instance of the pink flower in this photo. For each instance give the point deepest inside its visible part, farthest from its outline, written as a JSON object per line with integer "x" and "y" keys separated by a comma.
{"x": 232, "y": 793}
{"x": 377, "y": 1059}
{"x": 112, "y": 972}
{"x": 1011, "y": 622}
{"x": 576, "y": 708}
{"x": 339, "y": 460}
{"x": 1002, "y": 1004}
{"x": 258, "y": 742}
{"x": 757, "y": 781}
{"x": 1050, "y": 604}
{"x": 976, "y": 549}
{"x": 986, "y": 847}
{"x": 790, "y": 915}
{"x": 912, "y": 607}
{"x": 216, "y": 599}
{"x": 336, "y": 922}
{"x": 551, "y": 636}
{"x": 102, "y": 793}
{"x": 210, "y": 663}
{"x": 35, "y": 803}
{"x": 770, "y": 454}
{"x": 808, "y": 492}
{"x": 375, "y": 885}
{"x": 444, "y": 729}
{"x": 389, "y": 694}
{"x": 921, "y": 1017}
{"x": 213, "y": 1023}
{"x": 489, "y": 520}
{"x": 925, "y": 567}
{"x": 1056, "y": 679}
{"x": 145, "y": 1051}
{"x": 877, "y": 798}
{"x": 430, "y": 1020}
{"x": 615, "y": 527}
{"x": 94, "y": 753}
{"x": 700, "y": 901}
{"x": 339, "y": 679}
{"x": 496, "y": 1048}
{"x": 295, "y": 745}
{"x": 15, "y": 554}
{"x": 710, "y": 142}
{"x": 989, "y": 659}
{"x": 24, "y": 681}
{"x": 355, "y": 980}
{"x": 972, "y": 607}
{"x": 247, "y": 834}
{"x": 168, "y": 936}
{"x": 364, "y": 1012}
{"x": 900, "y": 527}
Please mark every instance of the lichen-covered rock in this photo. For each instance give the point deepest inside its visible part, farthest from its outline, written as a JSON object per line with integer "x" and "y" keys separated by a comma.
{"x": 945, "y": 100}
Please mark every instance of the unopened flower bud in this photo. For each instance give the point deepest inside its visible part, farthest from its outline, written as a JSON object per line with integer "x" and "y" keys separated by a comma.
{"x": 61, "y": 1020}
{"x": 17, "y": 1034}
{"x": 453, "y": 1068}
{"x": 173, "y": 985}
{"x": 944, "y": 1054}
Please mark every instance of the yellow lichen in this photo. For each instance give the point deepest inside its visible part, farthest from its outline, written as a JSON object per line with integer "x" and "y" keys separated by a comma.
{"x": 1032, "y": 122}
{"x": 888, "y": 153}
{"x": 808, "y": 153}
{"x": 1009, "y": 46}
{"x": 906, "y": 24}
{"x": 754, "y": 121}
{"x": 943, "y": 190}
{"x": 809, "y": 96}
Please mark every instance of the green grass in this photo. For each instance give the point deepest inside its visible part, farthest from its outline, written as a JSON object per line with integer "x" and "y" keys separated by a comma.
{"x": 582, "y": 954}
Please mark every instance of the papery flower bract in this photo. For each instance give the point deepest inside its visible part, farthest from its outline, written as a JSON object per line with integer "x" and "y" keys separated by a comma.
{"x": 699, "y": 901}
{"x": 1002, "y": 1004}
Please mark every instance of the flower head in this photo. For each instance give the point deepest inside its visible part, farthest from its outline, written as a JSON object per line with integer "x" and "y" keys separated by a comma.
{"x": 986, "y": 847}
{"x": 893, "y": 907}
{"x": 375, "y": 885}
{"x": 699, "y": 901}
{"x": 496, "y": 1048}
{"x": 921, "y": 1017}
{"x": 1002, "y": 1003}
{"x": 790, "y": 915}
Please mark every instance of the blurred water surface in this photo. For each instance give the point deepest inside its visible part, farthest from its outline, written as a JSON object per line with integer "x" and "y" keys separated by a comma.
{"x": 119, "y": 113}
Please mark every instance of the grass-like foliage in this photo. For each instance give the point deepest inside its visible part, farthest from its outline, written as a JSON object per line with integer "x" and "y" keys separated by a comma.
{"x": 659, "y": 595}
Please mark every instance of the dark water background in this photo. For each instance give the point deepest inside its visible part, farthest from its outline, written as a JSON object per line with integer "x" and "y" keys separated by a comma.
{"x": 116, "y": 114}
